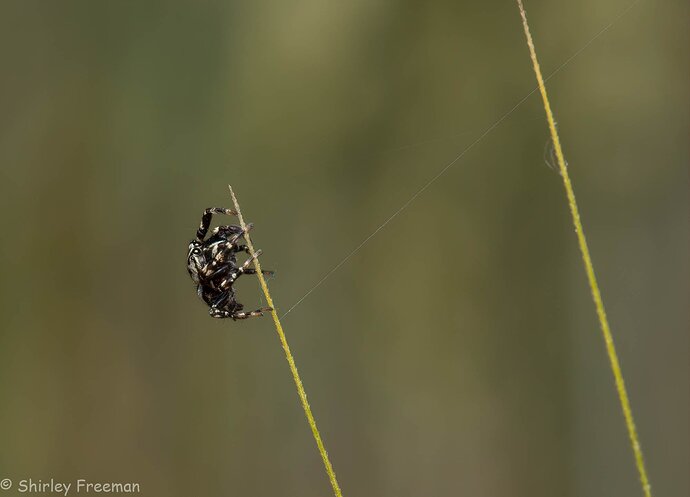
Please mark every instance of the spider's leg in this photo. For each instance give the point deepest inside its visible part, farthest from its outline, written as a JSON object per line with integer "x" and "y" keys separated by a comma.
{"x": 218, "y": 269}
{"x": 249, "y": 261}
{"x": 203, "y": 269}
{"x": 227, "y": 282}
{"x": 233, "y": 239}
{"x": 242, "y": 248}
{"x": 218, "y": 306}
{"x": 244, "y": 269}
{"x": 221, "y": 253}
{"x": 220, "y": 250}
{"x": 211, "y": 269}
{"x": 251, "y": 314}
{"x": 214, "y": 312}
{"x": 206, "y": 220}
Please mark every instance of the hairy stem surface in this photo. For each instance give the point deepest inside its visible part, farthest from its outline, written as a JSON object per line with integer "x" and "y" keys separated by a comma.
{"x": 589, "y": 267}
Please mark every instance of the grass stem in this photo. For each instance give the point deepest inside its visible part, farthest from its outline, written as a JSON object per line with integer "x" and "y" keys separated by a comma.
{"x": 589, "y": 267}
{"x": 288, "y": 355}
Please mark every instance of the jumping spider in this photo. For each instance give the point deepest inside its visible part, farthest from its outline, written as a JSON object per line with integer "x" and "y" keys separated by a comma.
{"x": 212, "y": 264}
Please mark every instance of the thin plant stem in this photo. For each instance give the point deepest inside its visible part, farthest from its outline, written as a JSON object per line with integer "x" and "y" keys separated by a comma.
{"x": 589, "y": 268}
{"x": 288, "y": 355}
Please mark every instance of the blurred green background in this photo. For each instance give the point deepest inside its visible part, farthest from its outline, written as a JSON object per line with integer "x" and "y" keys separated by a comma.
{"x": 456, "y": 353}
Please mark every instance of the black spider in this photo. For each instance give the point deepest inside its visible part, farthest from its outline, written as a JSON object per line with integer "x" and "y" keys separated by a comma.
{"x": 212, "y": 264}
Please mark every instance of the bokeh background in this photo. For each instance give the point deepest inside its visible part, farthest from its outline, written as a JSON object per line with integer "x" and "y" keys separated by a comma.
{"x": 456, "y": 353}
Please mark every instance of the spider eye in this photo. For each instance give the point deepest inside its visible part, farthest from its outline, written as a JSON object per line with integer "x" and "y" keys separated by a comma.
{"x": 196, "y": 251}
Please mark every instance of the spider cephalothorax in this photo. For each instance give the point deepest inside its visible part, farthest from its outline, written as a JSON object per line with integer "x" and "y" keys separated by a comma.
{"x": 212, "y": 264}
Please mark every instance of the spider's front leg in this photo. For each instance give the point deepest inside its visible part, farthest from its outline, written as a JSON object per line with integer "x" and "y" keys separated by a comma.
{"x": 231, "y": 243}
{"x": 224, "y": 244}
{"x": 223, "y": 314}
{"x": 220, "y": 252}
{"x": 219, "y": 313}
{"x": 223, "y": 253}
{"x": 221, "y": 305}
{"x": 218, "y": 306}
{"x": 252, "y": 314}
{"x": 244, "y": 269}
{"x": 206, "y": 220}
